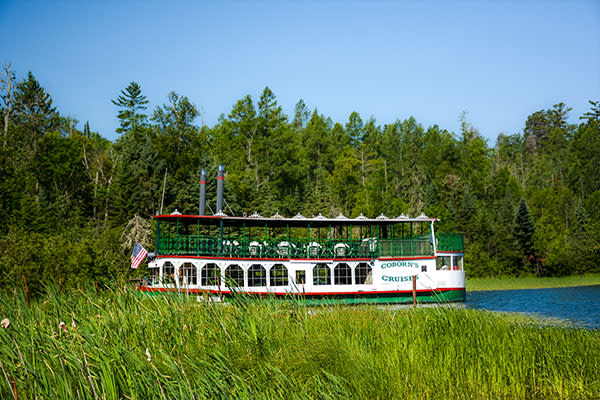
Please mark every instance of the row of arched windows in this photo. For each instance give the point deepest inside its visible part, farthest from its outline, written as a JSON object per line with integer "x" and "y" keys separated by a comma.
{"x": 210, "y": 275}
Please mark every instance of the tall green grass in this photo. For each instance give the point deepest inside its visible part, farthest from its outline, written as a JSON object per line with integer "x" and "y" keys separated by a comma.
{"x": 262, "y": 349}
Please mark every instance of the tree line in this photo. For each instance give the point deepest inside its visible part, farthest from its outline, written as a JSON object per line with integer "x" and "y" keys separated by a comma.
{"x": 72, "y": 202}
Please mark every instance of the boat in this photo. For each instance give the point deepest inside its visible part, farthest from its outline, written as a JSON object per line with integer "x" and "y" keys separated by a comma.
{"x": 382, "y": 260}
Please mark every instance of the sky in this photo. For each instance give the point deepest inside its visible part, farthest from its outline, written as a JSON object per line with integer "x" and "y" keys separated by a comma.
{"x": 498, "y": 61}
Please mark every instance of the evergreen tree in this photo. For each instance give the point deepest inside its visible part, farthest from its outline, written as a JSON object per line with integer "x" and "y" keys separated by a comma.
{"x": 131, "y": 102}
{"x": 355, "y": 128}
{"x": 33, "y": 110}
{"x": 594, "y": 113}
{"x": 301, "y": 116}
{"x": 524, "y": 231}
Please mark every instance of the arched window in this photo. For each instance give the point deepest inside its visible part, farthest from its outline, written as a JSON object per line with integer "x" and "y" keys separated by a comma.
{"x": 211, "y": 275}
{"x": 321, "y": 275}
{"x": 342, "y": 274}
{"x": 168, "y": 276}
{"x": 363, "y": 274}
{"x": 234, "y": 276}
{"x": 154, "y": 275}
{"x": 188, "y": 275}
{"x": 257, "y": 275}
{"x": 279, "y": 275}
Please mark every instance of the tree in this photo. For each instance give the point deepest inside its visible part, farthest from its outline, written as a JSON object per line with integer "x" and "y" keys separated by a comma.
{"x": 301, "y": 116}
{"x": 33, "y": 109}
{"x": 524, "y": 231}
{"x": 131, "y": 102}
{"x": 355, "y": 128}
{"x": 7, "y": 77}
{"x": 594, "y": 113}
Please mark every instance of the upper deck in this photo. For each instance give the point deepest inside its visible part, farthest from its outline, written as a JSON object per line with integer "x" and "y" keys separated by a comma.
{"x": 300, "y": 237}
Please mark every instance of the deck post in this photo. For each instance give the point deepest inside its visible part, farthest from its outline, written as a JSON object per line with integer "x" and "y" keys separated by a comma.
{"x": 414, "y": 290}
{"x": 197, "y": 237}
{"x": 157, "y": 237}
{"x": 220, "y": 237}
{"x": 433, "y": 240}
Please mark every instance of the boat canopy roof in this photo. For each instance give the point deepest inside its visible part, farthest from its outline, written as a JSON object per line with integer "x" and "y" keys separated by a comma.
{"x": 297, "y": 221}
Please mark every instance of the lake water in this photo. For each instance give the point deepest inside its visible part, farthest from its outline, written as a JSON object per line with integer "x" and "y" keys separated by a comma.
{"x": 579, "y": 306}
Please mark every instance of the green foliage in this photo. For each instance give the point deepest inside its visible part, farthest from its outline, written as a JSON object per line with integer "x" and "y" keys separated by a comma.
{"x": 33, "y": 106}
{"x": 56, "y": 179}
{"x": 130, "y": 102}
{"x": 524, "y": 230}
{"x": 116, "y": 344}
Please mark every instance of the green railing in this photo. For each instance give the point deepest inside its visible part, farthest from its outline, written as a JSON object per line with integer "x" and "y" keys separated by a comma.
{"x": 450, "y": 242}
{"x": 293, "y": 248}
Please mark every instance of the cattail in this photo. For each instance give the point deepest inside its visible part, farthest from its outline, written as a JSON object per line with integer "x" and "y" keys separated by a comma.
{"x": 63, "y": 326}
{"x": 5, "y": 323}
{"x": 148, "y": 356}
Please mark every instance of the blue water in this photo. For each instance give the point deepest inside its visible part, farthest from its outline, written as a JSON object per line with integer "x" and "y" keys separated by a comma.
{"x": 578, "y": 306}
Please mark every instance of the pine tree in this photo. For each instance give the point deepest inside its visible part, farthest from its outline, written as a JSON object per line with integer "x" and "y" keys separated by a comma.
{"x": 355, "y": 128}
{"x": 33, "y": 109}
{"x": 524, "y": 231}
{"x": 131, "y": 101}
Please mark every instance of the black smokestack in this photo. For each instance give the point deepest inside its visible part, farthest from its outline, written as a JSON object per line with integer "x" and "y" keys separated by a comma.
{"x": 220, "y": 189}
{"x": 202, "y": 207}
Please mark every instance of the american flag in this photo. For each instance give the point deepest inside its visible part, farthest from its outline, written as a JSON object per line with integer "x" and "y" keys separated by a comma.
{"x": 139, "y": 254}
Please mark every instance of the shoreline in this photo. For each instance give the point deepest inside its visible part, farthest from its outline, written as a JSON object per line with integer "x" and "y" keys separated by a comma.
{"x": 512, "y": 283}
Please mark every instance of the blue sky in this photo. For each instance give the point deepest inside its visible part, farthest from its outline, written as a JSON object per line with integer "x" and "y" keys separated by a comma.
{"x": 498, "y": 61}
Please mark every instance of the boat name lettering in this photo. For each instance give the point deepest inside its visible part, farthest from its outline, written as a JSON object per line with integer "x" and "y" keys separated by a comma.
{"x": 387, "y": 278}
{"x": 398, "y": 264}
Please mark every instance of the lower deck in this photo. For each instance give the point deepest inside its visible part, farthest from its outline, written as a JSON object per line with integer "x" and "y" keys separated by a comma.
{"x": 351, "y": 281}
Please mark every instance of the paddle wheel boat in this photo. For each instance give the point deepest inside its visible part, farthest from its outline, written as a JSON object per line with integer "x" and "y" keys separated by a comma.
{"x": 319, "y": 259}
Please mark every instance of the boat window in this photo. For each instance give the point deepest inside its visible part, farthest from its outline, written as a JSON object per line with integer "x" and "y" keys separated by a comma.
{"x": 321, "y": 275}
{"x": 188, "y": 275}
{"x": 154, "y": 275}
{"x": 257, "y": 275}
{"x": 300, "y": 277}
{"x": 168, "y": 273}
{"x": 363, "y": 274}
{"x": 234, "y": 276}
{"x": 279, "y": 275}
{"x": 211, "y": 275}
{"x": 342, "y": 274}
{"x": 443, "y": 263}
{"x": 457, "y": 263}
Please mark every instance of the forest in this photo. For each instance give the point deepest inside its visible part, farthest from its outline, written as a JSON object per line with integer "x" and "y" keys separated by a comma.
{"x": 72, "y": 203}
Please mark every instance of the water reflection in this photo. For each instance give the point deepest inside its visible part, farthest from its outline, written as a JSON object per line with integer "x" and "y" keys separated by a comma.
{"x": 579, "y": 305}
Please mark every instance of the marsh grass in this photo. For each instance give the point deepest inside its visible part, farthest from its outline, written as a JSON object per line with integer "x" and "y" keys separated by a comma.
{"x": 263, "y": 349}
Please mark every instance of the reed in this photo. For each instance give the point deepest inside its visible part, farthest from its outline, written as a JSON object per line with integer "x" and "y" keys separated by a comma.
{"x": 118, "y": 344}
